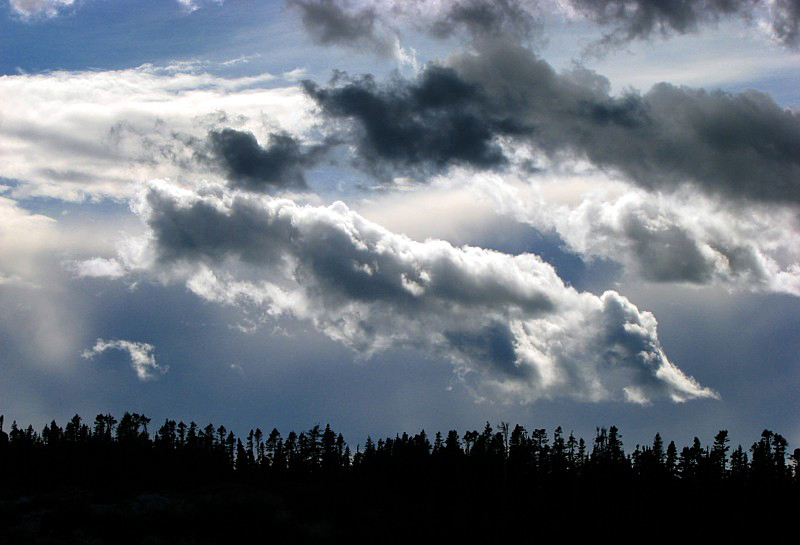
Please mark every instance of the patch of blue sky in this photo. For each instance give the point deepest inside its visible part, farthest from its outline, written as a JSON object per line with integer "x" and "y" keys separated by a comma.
{"x": 125, "y": 33}
{"x": 242, "y": 38}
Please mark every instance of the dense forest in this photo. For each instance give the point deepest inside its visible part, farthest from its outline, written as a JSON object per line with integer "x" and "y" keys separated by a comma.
{"x": 113, "y": 481}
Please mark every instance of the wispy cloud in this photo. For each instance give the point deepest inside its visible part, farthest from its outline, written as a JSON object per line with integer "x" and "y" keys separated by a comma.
{"x": 642, "y": 19}
{"x": 142, "y": 356}
{"x": 97, "y": 134}
{"x": 28, "y": 9}
{"x": 194, "y": 5}
{"x": 47, "y": 9}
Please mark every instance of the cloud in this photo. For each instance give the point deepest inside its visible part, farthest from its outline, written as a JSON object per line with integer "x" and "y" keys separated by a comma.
{"x": 247, "y": 165}
{"x": 641, "y": 19}
{"x": 28, "y": 9}
{"x": 488, "y": 18}
{"x": 377, "y": 24}
{"x": 663, "y": 238}
{"x": 425, "y": 124}
{"x": 42, "y": 317}
{"x": 97, "y": 267}
{"x": 742, "y": 146}
{"x": 337, "y": 23}
{"x": 193, "y": 5}
{"x": 785, "y": 24}
{"x": 24, "y": 239}
{"x": 508, "y": 321}
{"x": 37, "y": 315}
{"x": 97, "y": 134}
{"x": 689, "y": 240}
{"x": 142, "y": 356}
{"x": 46, "y": 9}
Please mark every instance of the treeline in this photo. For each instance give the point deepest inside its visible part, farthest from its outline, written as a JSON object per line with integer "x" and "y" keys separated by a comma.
{"x": 97, "y": 451}
{"x": 468, "y": 479}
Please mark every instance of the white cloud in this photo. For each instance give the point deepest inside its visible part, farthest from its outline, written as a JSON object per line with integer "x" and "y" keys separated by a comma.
{"x": 96, "y": 134}
{"x": 98, "y": 267}
{"x": 683, "y": 237}
{"x": 25, "y": 239}
{"x": 38, "y": 8}
{"x": 29, "y": 9}
{"x": 41, "y": 314}
{"x": 689, "y": 239}
{"x": 507, "y": 321}
{"x": 194, "y": 5}
{"x": 142, "y": 356}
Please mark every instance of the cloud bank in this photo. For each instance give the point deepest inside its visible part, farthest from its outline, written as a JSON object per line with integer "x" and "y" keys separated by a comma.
{"x": 641, "y": 19}
{"x": 679, "y": 237}
{"x": 96, "y": 134}
{"x": 142, "y": 356}
{"x": 377, "y": 22}
{"x": 741, "y": 146}
{"x": 507, "y": 322}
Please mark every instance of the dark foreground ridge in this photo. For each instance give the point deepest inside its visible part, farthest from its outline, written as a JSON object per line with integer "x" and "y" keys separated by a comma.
{"x": 112, "y": 482}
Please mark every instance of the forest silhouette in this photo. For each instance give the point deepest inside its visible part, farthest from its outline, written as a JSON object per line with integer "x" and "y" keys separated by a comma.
{"x": 126, "y": 481}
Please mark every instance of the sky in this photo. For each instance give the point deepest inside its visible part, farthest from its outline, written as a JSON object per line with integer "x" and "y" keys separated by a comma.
{"x": 401, "y": 215}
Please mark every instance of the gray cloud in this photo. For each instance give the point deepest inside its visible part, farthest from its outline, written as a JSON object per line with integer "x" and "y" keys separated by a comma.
{"x": 742, "y": 146}
{"x": 508, "y": 321}
{"x": 681, "y": 237}
{"x": 338, "y": 23}
{"x": 375, "y": 25}
{"x": 487, "y": 19}
{"x": 247, "y": 165}
{"x": 425, "y": 124}
{"x": 786, "y": 21}
{"x": 641, "y": 19}
{"x": 738, "y": 145}
{"x": 689, "y": 240}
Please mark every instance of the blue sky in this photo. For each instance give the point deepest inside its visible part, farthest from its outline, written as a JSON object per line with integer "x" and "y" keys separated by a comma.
{"x": 394, "y": 216}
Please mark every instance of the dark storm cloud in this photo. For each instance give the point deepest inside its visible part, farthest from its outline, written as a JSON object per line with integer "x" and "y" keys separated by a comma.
{"x": 509, "y": 320}
{"x": 640, "y": 19}
{"x": 376, "y": 25}
{"x": 487, "y": 19}
{"x": 786, "y": 21}
{"x": 739, "y": 145}
{"x": 249, "y": 166}
{"x": 430, "y": 123}
{"x": 341, "y": 23}
{"x": 332, "y": 23}
{"x": 202, "y": 232}
{"x": 742, "y": 146}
